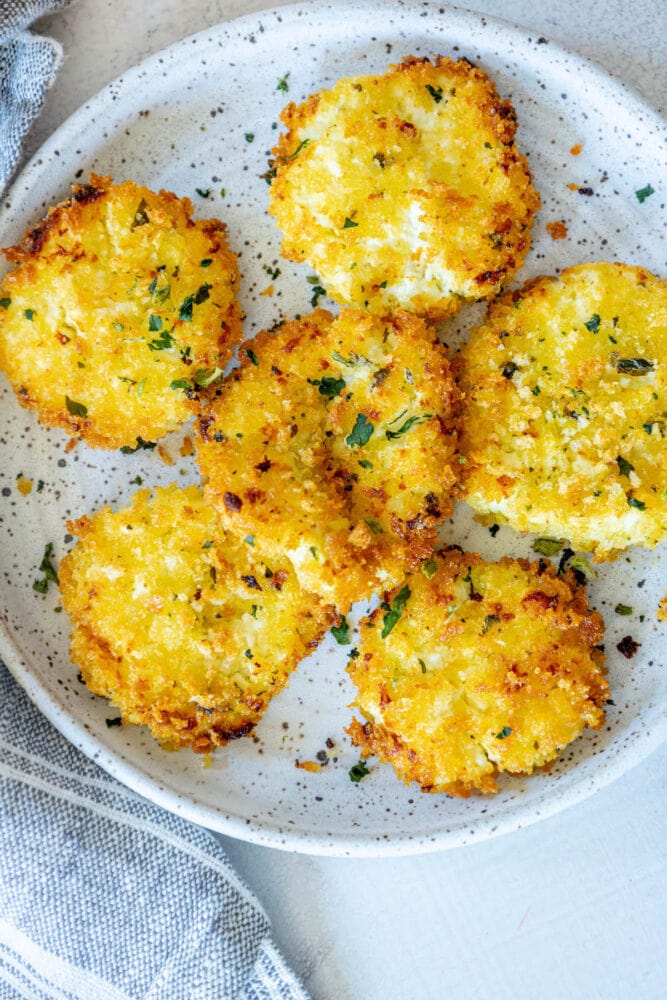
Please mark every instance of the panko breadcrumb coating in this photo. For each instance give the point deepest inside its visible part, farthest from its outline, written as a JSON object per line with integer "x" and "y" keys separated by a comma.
{"x": 565, "y": 414}
{"x": 332, "y": 446}
{"x": 405, "y": 190}
{"x": 121, "y": 309}
{"x": 184, "y": 629}
{"x": 473, "y": 668}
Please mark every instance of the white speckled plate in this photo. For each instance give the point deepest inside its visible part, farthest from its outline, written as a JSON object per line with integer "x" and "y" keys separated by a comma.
{"x": 203, "y": 115}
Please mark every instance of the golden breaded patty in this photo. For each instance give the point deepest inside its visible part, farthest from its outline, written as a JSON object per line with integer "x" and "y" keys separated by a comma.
{"x": 120, "y": 311}
{"x": 185, "y": 629}
{"x": 473, "y": 668}
{"x": 332, "y": 445}
{"x": 565, "y": 414}
{"x": 405, "y": 190}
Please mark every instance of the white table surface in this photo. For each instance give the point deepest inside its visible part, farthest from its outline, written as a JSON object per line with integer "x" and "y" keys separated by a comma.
{"x": 574, "y": 907}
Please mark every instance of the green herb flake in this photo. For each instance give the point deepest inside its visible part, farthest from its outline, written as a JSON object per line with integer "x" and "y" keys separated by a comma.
{"x": 347, "y": 362}
{"x": 504, "y": 733}
{"x": 205, "y": 376}
{"x": 203, "y": 193}
{"x": 159, "y": 288}
{"x": 548, "y": 546}
{"x": 162, "y": 343}
{"x": 283, "y": 86}
{"x": 623, "y": 609}
{"x": 349, "y": 223}
{"x": 249, "y": 539}
{"x": 140, "y": 216}
{"x": 404, "y": 428}
{"x": 154, "y": 323}
{"x": 634, "y": 366}
{"x": 358, "y": 772}
{"x": 435, "y": 92}
{"x": 429, "y": 568}
{"x": 248, "y": 654}
{"x": 318, "y": 292}
{"x": 634, "y": 502}
{"x": 360, "y": 433}
{"x": 487, "y": 145}
{"x": 29, "y": 314}
{"x": 76, "y": 409}
{"x": 365, "y": 464}
{"x": 250, "y": 354}
{"x": 327, "y": 386}
{"x": 489, "y": 622}
{"x": 47, "y": 568}
{"x": 196, "y": 299}
{"x": 141, "y": 445}
{"x": 140, "y": 387}
{"x": 40, "y": 485}
{"x": 593, "y": 323}
{"x": 341, "y": 633}
{"x": 643, "y": 193}
{"x": 206, "y": 262}
{"x": 180, "y": 383}
{"x": 582, "y": 565}
{"x": 249, "y": 137}
{"x": 375, "y": 526}
{"x": 624, "y": 467}
{"x": 5, "y": 302}
{"x": 394, "y": 611}
{"x": 536, "y": 390}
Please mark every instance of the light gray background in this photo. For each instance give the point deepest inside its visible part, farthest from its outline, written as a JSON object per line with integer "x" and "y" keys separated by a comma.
{"x": 574, "y": 907}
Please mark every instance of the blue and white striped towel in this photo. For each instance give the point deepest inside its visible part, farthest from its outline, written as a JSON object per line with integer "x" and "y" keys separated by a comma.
{"x": 104, "y": 896}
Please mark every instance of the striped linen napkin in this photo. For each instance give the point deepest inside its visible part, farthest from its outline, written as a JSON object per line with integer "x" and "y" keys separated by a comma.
{"x": 104, "y": 896}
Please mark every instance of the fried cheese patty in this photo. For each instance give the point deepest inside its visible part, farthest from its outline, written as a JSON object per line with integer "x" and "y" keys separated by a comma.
{"x": 473, "y": 668}
{"x": 183, "y": 628}
{"x": 332, "y": 445}
{"x": 406, "y": 189}
{"x": 565, "y": 413}
{"x": 120, "y": 310}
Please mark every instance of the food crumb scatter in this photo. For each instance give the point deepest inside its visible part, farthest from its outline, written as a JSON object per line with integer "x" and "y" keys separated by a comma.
{"x": 557, "y": 230}
{"x": 24, "y": 486}
{"x": 576, "y": 149}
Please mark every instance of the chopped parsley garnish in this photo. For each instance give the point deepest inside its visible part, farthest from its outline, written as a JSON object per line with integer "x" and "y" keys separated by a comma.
{"x": 5, "y": 302}
{"x": 404, "y": 428}
{"x": 318, "y": 292}
{"x": 375, "y": 526}
{"x": 634, "y": 366}
{"x": 205, "y": 376}
{"x": 341, "y": 633}
{"x": 47, "y": 568}
{"x": 634, "y": 502}
{"x": 140, "y": 445}
{"x": 593, "y": 323}
{"x": 435, "y": 92}
{"x": 250, "y": 354}
{"x": 624, "y": 467}
{"x": 359, "y": 771}
{"x": 548, "y": 546}
{"x": 329, "y": 387}
{"x": 360, "y": 433}
{"x": 504, "y": 733}
{"x": 201, "y": 295}
{"x": 394, "y": 610}
{"x": 250, "y": 137}
{"x": 283, "y": 86}
{"x": 581, "y": 565}
{"x": 40, "y": 485}
{"x": 140, "y": 216}
{"x": 643, "y": 193}
{"x": 648, "y": 427}
{"x": 154, "y": 323}
{"x": 248, "y": 654}
{"x": 489, "y": 622}
{"x": 206, "y": 262}
{"x": 288, "y": 159}
{"x": 76, "y": 409}
{"x": 623, "y": 609}
{"x": 29, "y": 314}
{"x": 159, "y": 288}
{"x": 203, "y": 193}
{"x": 347, "y": 362}
{"x": 365, "y": 464}
{"x": 162, "y": 343}
{"x": 536, "y": 390}
{"x": 180, "y": 383}
{"x": 430, "y": 568}
{"x": 349, "y": 223}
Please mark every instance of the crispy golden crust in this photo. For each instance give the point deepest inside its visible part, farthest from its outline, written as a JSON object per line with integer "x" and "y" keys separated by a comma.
{"x": 184, "y": 629}
{"x": 405, "y": 190}
{"x": 115, "y": 295}
{"x": 565, "y": 413}
{"x": 332, "y": 445}
{"x": 488, "y": 667}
